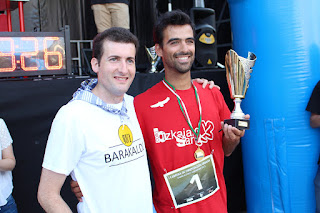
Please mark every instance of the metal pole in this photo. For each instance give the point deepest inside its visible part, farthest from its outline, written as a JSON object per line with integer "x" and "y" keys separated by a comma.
{"x": 21, "y": 16}
{"x": 9, "y": 22}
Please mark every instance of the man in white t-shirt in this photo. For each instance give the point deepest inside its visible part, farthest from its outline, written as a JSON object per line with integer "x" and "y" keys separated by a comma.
{"x": 96, "y": 137}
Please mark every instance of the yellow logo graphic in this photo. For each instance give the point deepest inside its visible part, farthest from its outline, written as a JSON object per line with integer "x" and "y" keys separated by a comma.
{"x": 209, "y": 61}
{"x": 125, "y": 135}
{"x": 207, "y": 39}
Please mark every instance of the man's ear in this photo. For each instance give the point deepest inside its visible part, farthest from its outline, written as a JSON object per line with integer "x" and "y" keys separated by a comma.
{"x": 158, "y": 50}
{"x": 95, "y": 65}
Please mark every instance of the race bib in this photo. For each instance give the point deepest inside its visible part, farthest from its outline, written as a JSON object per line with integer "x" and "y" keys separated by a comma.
{"x": 192, "y": 183}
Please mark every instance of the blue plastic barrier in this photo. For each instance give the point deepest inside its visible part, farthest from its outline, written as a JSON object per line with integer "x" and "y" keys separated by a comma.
{"x": 281, "y": 150}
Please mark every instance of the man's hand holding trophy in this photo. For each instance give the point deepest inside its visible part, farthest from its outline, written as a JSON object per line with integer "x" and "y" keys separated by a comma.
{"x": 238, "y": 70}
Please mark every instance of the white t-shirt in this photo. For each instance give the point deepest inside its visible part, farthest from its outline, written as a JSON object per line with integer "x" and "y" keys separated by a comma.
{"x": 6, "y": 185}
{"x": 113, "y": 175}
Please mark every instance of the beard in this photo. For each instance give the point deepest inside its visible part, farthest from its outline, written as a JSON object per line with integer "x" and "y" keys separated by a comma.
{"x": 183, "y": 67}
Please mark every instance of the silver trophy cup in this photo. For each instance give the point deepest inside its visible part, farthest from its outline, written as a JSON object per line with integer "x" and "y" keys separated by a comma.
{"x": 153, "y": 58}
{"x": 238, "y": 70}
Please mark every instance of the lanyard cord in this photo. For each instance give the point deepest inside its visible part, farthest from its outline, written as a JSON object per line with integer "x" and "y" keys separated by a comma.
{"x": 183, "y": 107}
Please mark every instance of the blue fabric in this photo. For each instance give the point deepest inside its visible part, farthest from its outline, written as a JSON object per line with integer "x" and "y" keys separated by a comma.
{"x": 280, "y": 150}
{"x": 84, "y": 93}
{"x": 10, "y": 207}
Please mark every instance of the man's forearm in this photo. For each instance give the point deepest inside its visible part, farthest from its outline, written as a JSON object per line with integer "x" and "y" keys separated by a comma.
{"x": 315, "y": 120}
{"x": 49, "y": 192}
{"x": 53, "y": 204}
{"x": 229, "y": 145}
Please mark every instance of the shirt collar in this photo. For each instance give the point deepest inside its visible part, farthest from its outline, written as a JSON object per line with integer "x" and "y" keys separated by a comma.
{"x": 84, "y": 93}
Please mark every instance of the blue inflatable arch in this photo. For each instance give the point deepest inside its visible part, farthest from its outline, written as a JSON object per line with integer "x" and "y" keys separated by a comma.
{"x": 281, "y": 150}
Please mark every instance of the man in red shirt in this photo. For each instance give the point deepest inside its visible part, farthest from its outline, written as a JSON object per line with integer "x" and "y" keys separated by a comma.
{"x": 181, "y": 126}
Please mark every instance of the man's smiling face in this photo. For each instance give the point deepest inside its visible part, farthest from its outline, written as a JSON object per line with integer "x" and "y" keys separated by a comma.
{"x": 178, "y": 48}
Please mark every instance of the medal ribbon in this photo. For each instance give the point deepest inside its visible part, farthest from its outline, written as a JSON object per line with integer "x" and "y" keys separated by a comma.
{"x": 183, "y": 107}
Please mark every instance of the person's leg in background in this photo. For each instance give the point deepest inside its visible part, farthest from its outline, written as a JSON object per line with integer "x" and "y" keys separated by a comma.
{"x": 102, "y": 16}
{"x": 119, "y": 15}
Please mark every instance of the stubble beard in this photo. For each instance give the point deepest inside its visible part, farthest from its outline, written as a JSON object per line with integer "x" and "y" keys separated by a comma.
{"x": 186, "y": 67}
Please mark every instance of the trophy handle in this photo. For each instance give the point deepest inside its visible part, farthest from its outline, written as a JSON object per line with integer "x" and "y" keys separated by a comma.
{"x": 230, "y": 79}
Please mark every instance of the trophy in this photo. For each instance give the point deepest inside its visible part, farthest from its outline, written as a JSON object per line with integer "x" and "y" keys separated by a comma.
{"x": 153, "y": 58}
{"x": 238, "y": 71}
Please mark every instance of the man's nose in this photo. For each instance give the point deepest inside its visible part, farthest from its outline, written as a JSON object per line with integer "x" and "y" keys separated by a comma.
{"x": 185, "y": 47}
{"x": 123, "y": 66}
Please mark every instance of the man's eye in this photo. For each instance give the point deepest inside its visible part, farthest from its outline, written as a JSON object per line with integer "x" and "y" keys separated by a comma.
{"x": 131, "y": 61}
{"x": 113, "y": 59}
{"x": 173, "y": 42}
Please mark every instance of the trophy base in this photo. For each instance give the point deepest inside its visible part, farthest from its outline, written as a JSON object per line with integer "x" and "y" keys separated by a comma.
{"x": 238, "y": 123}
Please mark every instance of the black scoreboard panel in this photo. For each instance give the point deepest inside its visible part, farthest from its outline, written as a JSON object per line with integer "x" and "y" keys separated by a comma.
{"x": 35, "y": 53}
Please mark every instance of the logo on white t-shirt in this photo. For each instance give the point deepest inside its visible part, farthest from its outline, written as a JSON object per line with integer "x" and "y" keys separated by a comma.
{"x": 186, "y": 137}
{"x": 125, "y": 135}
{"x": 129, "y": 151}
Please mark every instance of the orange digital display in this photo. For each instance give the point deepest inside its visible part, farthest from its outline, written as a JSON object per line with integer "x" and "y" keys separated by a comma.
{"x": 32, "y": 53}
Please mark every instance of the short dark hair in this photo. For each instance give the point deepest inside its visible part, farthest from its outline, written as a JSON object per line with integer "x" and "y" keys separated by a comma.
{"x": 115, "y": 34}
{"x": 175, "y": 17}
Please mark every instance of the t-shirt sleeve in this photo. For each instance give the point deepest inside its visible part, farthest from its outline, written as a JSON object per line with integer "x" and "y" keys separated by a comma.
{"x": 5, "y": 137}
{"x": 138, "y": 110}
{"x": 224, "y": 111}
{"x": 65, "y": 143}
{"x": 314, "y": 101}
